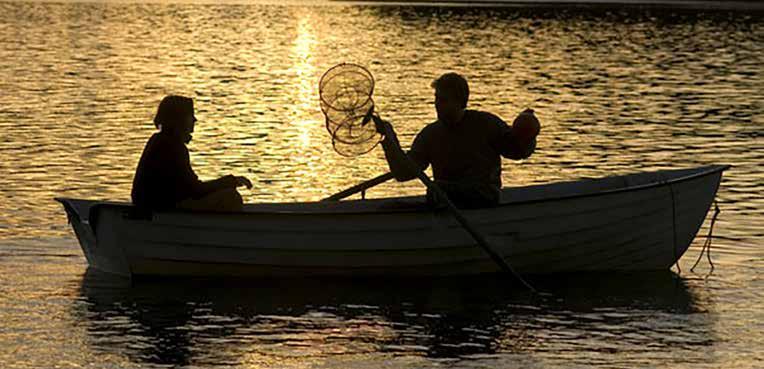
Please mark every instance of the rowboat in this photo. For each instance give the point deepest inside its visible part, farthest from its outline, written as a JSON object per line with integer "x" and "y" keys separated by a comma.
{"x": 634, "y": 222}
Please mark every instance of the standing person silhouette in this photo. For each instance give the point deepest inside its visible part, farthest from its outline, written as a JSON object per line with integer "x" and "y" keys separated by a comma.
{"x": 164, "y": 179}
{"x": 463, "y": 146}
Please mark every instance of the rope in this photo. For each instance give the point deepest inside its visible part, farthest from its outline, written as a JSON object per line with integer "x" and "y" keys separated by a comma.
{"x": 707, "y": 243}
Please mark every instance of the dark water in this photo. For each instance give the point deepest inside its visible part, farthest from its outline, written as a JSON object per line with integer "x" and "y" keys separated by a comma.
{"x": 617, "y": 90}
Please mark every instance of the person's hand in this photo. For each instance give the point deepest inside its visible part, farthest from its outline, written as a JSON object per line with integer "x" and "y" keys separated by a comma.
{"x": 526, "y": 126}
{"x": 383, "y": 127}
{"x": 243, "y": 181}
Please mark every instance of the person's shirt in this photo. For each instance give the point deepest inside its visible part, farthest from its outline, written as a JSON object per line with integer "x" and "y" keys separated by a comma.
{"x": 164, "y": 175}
{"x": 468, "y": 153}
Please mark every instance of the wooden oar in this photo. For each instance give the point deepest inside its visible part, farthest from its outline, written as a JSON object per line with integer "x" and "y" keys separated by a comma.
{"x": 481, "y": 241}
{"x": 432, "y": 186}
{"x": 360, "y": 187}
{"x": 440, "y": 194}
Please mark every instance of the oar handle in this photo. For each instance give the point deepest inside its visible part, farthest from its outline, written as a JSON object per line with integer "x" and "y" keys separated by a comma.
{"x": 360, "y": 187}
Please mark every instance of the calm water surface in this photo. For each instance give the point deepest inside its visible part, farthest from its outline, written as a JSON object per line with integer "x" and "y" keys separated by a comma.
{"x": 618, "y": 91}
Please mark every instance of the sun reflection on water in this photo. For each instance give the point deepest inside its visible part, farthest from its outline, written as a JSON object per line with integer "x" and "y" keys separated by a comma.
{"x": 304, "y": 70}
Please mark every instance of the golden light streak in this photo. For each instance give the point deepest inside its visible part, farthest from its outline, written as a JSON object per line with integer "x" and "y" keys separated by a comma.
{"x": 304, "y": 71}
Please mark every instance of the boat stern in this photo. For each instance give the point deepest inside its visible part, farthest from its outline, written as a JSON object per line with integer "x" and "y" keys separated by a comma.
{"x": 100, "y": 253}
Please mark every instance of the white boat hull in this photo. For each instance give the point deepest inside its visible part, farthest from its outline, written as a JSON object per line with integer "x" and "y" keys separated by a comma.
{"x": 642, "y": 221}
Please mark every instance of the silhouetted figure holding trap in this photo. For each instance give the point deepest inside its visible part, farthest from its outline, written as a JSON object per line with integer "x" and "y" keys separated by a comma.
{"x": 164, "y": 178}
{"x": 463, "y": 146}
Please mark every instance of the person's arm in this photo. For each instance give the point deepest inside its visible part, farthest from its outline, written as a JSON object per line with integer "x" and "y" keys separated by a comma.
{"x": 187, "y": 179}
{"x": 228, "y": 181}
{"x": 204, "y": 188}
{"x": 516, "y": 149}
{"x": 396, "y": 158}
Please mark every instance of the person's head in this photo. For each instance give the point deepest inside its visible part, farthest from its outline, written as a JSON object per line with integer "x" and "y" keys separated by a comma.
{"x": 451, "y": 95}
{"x": 175, "y": 116}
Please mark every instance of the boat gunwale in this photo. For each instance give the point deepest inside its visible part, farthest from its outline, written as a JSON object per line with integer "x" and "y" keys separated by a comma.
{"x": 702, "y": 171}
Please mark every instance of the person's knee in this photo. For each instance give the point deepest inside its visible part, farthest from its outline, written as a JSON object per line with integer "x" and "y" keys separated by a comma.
{"x": 224, "y": 200}
{"x": 231, "y": 199}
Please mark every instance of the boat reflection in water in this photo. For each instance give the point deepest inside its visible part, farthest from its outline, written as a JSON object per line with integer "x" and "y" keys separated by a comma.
{"x": 288, "y": 321}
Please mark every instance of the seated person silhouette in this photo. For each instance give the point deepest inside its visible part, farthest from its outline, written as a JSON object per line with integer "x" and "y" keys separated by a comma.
{"x": 164, "y": 179}
{"x": 463, "y": 146}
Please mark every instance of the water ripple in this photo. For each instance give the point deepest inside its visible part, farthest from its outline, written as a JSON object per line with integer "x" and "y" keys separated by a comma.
{"x": 617, "y": 91}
